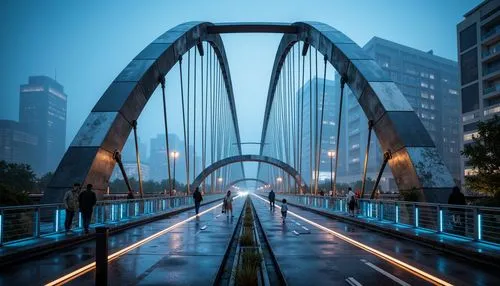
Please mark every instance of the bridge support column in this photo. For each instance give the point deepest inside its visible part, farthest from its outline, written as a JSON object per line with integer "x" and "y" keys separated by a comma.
{"x": 367, "y": 153}
{"x": 387, "y": 156}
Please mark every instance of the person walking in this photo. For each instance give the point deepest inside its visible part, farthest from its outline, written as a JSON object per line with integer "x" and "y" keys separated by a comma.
{"x": 228, "y": 203}
{"x": 351, "y": 201}
{"x": 284, "y": 209}
{"x": 457, "y": 214}
{"x": 87, "y": 200}
{"x": 197, "y": 199}
{"x": 272, "y": 197}
{"x": 70, "y": 202}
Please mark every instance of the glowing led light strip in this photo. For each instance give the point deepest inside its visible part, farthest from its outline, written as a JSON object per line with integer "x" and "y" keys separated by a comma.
{"x": 91, "y": 266}
{"x": 429, "y": 277}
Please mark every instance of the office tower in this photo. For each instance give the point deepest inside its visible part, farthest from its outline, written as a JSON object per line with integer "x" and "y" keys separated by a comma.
{"x": 16, "y": 144}
{"x": 478, "y": 43}
{"x": 42, "y": 111}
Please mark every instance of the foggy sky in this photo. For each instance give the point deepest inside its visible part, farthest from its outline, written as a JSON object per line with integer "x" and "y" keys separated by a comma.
{"x": 87, "y": 44}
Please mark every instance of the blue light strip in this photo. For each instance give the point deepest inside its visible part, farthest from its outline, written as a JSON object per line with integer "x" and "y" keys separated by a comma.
{"x": 441, "y": 220}
{"x": 121, "y": 211}
{"x": 1, "y": 229}
{"x": 479, "y": 227}
{"x": 80, "y": 222}
{"x": 136, "y": 209}
{"x": 397, "y": 214}
{"x": 416, "y": 217}
{"x": 57, "y": 220}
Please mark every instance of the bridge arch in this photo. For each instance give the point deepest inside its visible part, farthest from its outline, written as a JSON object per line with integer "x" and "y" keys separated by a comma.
{"x": 89, "y": 159}
{"x": 247, "y": 179}
{"x": 248, "y": 158}
{"x": 415, "y": 162}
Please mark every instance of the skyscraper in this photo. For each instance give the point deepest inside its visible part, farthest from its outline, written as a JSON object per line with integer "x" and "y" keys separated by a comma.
{"x": 42, "y": 111}
{"x": 16, "y": 144}
{"x": 478, "y": 43}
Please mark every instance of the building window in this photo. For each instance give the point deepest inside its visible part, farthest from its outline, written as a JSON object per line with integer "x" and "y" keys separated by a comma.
{"x": 468, "y": 37}
{"x": 492, "y": 111}
{"x": 470, "y": 98}
{"x": 452, "y": 91}
{"x": 470, "y": 136}
{"x": 468, "y": 66}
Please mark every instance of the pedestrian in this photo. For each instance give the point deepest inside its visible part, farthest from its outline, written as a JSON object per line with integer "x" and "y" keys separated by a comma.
{"x": 87, "y": 200}
{"x": 130, "y": 195}
{"x": 228, "y": 204}
{"x": 197, "y": 199}
{"x": 70, "y": 202}
{"x": 272, "y": 197}
{"x": 322, "y": 193}
{"x": 351, "y": 201}
{"x": 457, "y": 214}
{"x": 284, "y": 209}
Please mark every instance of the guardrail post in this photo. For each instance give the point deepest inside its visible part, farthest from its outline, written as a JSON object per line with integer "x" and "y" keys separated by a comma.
{"x": 415, "y": 213}
{"x": 380, "y": 211}
{"x": 477, "y": 225}
{"x": 37, "y": 222}
{"x": 101, "y": 259}
{"x": 1, "y": 227}
{"x": 439, "y": 221}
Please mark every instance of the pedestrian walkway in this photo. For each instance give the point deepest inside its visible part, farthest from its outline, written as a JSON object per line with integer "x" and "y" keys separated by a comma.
{"x": 10, "y": 253}
{"x": 49, "y": 267}
{"x": 190, "y": 254}
{"x": 304, "y": 249}
{"x": 477, "y": 250}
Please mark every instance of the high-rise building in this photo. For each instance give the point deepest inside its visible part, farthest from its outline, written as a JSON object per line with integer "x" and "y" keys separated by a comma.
{"x": 16, "y": 144}
{"x": 430, "y": 84}
{"x": 158, "y": 159}
{"x": 478, "y": 43}
{"x": 42, "y": 111}
{"x": 329, "y": 132}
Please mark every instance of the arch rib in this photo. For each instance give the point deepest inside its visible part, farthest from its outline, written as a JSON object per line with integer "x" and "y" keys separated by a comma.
{"x": 416, "y": 163}
{"x": 89, "y": 159}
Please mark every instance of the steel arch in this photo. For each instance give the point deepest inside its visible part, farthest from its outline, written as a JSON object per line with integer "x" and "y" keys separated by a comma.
{"x": 248, "y": 158}
{"x": 247, "y": 179}
{"x": 89, "y": 159}
{"x": 415, "y": 162}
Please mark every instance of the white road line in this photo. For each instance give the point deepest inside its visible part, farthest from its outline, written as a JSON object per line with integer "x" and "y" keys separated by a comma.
{"x": 297, "y": 223}
{"x": 296, "y": 233}
{"x": 353, "y": 282}
{"x": 387, "y": 274}
{"x": 305, "y": 228}
{"x": 203, "y": 227}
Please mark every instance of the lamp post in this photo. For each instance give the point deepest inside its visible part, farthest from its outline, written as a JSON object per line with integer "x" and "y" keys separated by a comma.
{"x": 279, "y": 180}
{"x": 219, "y": 180}
{"x": 331, "y": 154}
{"x": 174, "y": 155}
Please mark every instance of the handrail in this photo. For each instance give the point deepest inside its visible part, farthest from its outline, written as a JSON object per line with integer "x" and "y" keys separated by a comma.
{"x": 476, "y": 223}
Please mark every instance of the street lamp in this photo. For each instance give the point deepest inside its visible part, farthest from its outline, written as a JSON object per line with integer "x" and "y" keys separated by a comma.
{"x": 175, "y": 155}
{"x": 331, "y": 154}
{"x": 219, "y": 179}
{"x": 279, "y": 180}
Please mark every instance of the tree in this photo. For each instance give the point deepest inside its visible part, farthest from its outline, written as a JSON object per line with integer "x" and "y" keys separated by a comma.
{"x": 43, "y": 181}
{"x": 17, "y": 177}
{"x": 8, "y": 197}
{"x": 484, "y": 156}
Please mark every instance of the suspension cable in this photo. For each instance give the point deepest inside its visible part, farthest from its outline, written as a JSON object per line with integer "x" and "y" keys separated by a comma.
{"x": 169, "y": 181}
{"x": 321, "y": 124}
{"x": 183, "y": 116}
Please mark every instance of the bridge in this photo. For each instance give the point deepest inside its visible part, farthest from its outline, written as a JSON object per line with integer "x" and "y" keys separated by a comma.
{"x": 160, "y": 240}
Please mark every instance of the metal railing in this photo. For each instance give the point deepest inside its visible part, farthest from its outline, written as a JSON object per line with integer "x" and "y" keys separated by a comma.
{"x": 470, "y": 222}
{"x": 21, "y": 223}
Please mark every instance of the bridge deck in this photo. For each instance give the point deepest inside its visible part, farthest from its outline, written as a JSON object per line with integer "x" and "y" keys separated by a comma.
{"x": 330, "y": 260}
{"x": 51, "y": 266}
{"x": 188, "y": 255}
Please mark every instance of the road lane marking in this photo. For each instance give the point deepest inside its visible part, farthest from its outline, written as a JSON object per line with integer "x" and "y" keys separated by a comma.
{"x": 353, "y": 282}
{"x": 91, "y": 266}
{"x": 387, "y": 274}
{"x": 295, "y": 232}
{"x": 305, "y": 228}
{"x": 203, "y": 227}
{"x": 412, "y": 269}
